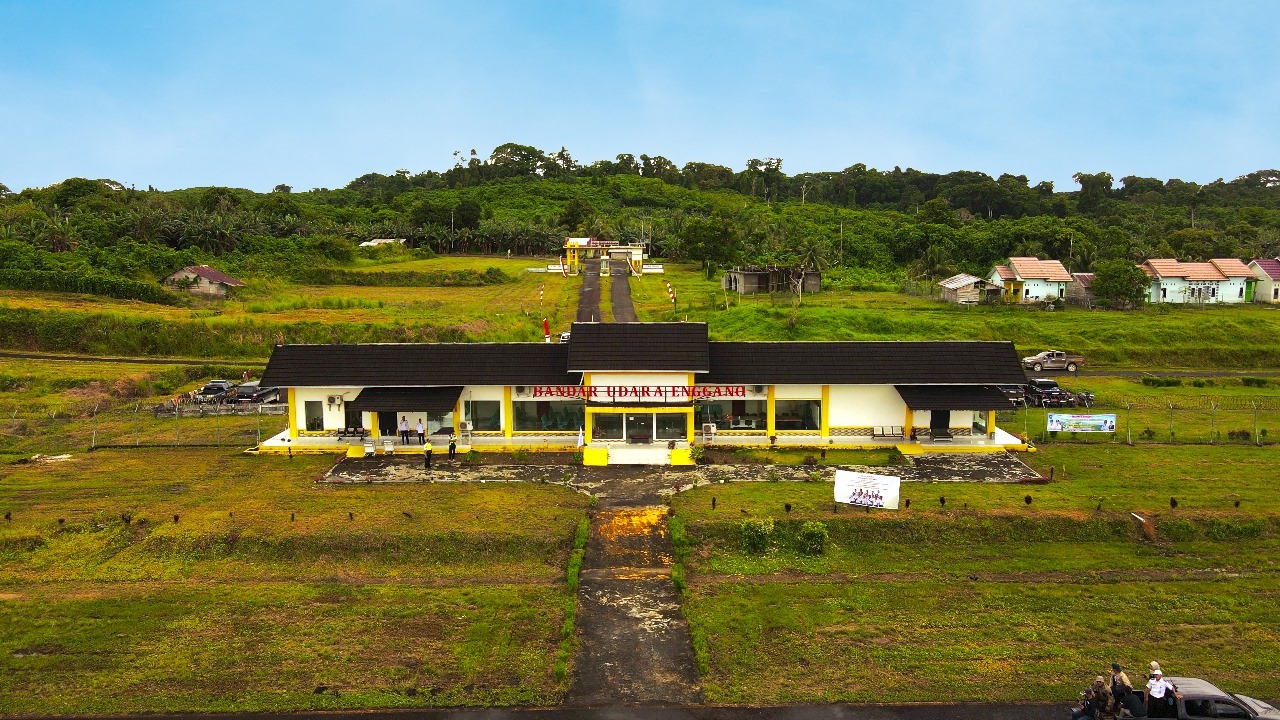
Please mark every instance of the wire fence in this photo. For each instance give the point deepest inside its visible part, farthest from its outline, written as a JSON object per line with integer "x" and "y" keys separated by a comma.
{"x": 140, "y": 425}
{"x": 1253, "y": 420}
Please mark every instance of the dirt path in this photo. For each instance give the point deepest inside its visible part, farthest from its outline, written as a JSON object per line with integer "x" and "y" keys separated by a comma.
{"x": 635, "y": 642}
{"x": 589, "y": 296}
{"x": 620, "y": 292}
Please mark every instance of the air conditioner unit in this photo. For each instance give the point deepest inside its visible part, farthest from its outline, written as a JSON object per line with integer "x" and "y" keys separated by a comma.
{"x": 757, "y": 389}
{"x": 708, "y": 429}
{"x": 522, "y": 391}
{"x": 464, "y": 426}
{"x": 334, "y": 399}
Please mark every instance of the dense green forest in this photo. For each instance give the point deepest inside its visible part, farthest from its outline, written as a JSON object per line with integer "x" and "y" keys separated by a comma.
{"x": 858, "y": 222}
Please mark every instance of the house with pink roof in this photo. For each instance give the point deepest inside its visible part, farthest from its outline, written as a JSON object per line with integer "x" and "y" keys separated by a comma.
{"x": 202, "y": 280}
{"x": 1267, "y": 271}
{"x": 1219, "y": 281}
{"x": 1030, "y": 280}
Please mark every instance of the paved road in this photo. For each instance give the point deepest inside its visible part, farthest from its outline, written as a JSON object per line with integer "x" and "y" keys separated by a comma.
{"x": 620, "y": 292}
{"x": 589, "y": 295}
{"x": 140, "y": 361}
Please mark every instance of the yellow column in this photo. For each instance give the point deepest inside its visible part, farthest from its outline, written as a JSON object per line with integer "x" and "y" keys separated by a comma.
{"x": 293, "y": 412}
{"x": 825, "y": 416}
{"x": 770, "y": 417}
{"x": 586, "y": 430}
{"x": 508, "y": 413}
{"x": 692, "y": 427}
{"x": 991, "y": 423}
{"x": 906, "y": 428}
{"x": 373, "y": 420}
{"x": 457, "y": 417}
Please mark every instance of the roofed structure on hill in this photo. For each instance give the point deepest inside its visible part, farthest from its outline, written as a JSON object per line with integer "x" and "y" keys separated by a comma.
{"x": 1220, "y": 280}
{"x": 1267, "y": 272}
{"x": 202, "y": 280}
{"x": 1030, "y": 280}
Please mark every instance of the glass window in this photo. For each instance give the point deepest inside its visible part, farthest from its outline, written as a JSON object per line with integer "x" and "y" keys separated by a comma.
{"x": 313, "y": 412}
{"x": 483, "y": 415}
{"x": 606, "y": 426}
{"x": 537, "y": 415}
{"x": 436, "y": 424}
{"x": 640, "y": 428}
{"x": 1224, "y": 709}
{"x": 797, "y": 414}
{"x": 672, "y": 426}
{"x": 732, "y": 414}
{"x": 353, "y": 418}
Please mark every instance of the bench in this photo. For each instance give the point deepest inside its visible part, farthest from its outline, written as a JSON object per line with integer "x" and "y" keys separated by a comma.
{"x": 887, "y": 431}
{"x": 941, "y": 435}
{"x": 358, "y": 433}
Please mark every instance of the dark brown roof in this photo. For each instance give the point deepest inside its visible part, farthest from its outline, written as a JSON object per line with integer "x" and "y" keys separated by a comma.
{"x": 953, "y": 397}
{"x": 434, "y": 400}
{"x": 1085, "y": 279}
{"x": 418, "y": 365}
{"x": 213, "y": 275}
{"x": 661, "y": 347}
{"x": 864, "y": 363}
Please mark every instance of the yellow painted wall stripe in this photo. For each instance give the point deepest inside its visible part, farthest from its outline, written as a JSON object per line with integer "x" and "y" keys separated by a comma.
{"x": 824, "y": 417}
{"x": 770, "y": 414}
{"x": 508, "y": 416}
{"x": 293, "y": 412}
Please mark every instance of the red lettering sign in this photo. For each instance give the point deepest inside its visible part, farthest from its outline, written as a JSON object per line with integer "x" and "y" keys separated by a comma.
{"x": 658, "y": 392}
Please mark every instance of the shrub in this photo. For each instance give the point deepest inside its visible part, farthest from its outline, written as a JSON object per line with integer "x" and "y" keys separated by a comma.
{"x": 472, "y": 457}
{"x": 1253, "y": 381}
{"x": 1147, "y": 434}
{"x": 520, "y": 456}
{"x": 1161, "y": 381}
{"x": 116, "y": 287}
{"x": 756, "y": 535}
{"x": 1176, "y": 529}
{"x": 812, "y": 539}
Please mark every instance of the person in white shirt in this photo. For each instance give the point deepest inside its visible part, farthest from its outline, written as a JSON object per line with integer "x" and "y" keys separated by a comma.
{"x": 422, "y": 434}
{"x": 404, "y": 429}
{"x": 1161, "y": 696}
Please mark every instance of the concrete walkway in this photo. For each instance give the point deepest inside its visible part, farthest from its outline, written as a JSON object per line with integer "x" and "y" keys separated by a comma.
{"x": 589, "y": 295}
{"x": 620, "y": 292}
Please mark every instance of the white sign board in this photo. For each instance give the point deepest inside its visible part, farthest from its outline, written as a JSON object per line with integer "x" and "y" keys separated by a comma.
{"x": 1061, "y": 422}
{"x": 867, "y": 490}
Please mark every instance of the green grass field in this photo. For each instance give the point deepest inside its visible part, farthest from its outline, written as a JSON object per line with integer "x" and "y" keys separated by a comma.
{"x": 268, "y": 585}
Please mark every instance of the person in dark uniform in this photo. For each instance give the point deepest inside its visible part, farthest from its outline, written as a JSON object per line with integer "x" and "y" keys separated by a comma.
{"x": 426, "y": 457}
{"x": 453, "y": 446}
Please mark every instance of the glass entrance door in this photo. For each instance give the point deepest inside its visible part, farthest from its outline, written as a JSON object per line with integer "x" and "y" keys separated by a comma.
{"x": 640, "y": 428}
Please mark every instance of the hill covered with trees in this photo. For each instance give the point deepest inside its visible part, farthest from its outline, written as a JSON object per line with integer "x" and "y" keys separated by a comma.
{"x": 860, "y": 223}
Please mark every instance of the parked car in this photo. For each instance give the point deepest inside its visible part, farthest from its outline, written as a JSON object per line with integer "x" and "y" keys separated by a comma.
{"x": 214, "y": 391}
{"x": 1053, "y": 360}
{"x": 1043, "y": 392}
{"x": 250, "y": 392}
{"x": 564, "y": 336}
{"x": 1017, "y": 394}
{"x": 1200, "y": 699}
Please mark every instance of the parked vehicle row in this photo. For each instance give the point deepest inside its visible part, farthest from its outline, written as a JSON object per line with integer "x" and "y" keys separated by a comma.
{"x": 225, "y": 391}
{"x": 1044, "y": 392}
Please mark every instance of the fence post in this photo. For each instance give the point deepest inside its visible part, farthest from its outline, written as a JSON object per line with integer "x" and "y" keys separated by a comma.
{"x": 258, "y": 412}
{"x": 137, "y": 432}
{"x": 93, "y": 443}
{"x": 1213, "y": 422}
{"x": 1257, "y": 439}
{"x": 1128, "y": 422}
{"x": 1170, "y": 422}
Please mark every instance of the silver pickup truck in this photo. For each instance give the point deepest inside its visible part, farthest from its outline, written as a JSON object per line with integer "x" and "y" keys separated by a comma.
{"x": 1053, "y": 360}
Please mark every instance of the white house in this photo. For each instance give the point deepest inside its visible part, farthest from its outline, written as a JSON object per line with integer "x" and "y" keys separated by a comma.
{"x": 1221, "y": 280}
{"x": 1030, "y": 280}
{"x": 1267, "y": 271}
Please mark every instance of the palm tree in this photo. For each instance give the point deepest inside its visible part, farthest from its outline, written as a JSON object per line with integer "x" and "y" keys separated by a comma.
{"x": 934, "y": 264}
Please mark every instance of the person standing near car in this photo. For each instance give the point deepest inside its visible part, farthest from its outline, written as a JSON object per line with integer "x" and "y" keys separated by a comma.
{"x": 404, "y": 430}
{"x": 422, "y": 433}
{"x": 1161, "y": 696}
{"x": 1120, "y": 687}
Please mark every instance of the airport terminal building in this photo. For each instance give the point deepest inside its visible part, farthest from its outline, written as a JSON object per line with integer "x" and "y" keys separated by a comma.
{"x": 644, "y": 393}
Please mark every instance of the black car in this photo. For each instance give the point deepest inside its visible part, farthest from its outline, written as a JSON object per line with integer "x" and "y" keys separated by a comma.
{"x": 1043, "y": 392}
{"x": 251, "y": 392}
{"x": 214, "y": 391}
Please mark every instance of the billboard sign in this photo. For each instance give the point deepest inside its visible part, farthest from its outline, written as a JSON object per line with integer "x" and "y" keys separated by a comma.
{"x": 867, "y": 490}
{"x": 1063, "y": 422}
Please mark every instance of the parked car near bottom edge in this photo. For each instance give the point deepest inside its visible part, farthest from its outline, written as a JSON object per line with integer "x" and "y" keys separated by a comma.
{"x": 250, "y": 392}
{"x": 1200, "y": 699}
{"x": 214, "y": 391}
{"x": 1053, "y": 360}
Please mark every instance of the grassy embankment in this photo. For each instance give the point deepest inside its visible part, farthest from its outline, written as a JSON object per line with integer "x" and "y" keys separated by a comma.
{"x": 988, "y": 598}
{"x": 201, "y": 579}
{"x": 269, "y": 312}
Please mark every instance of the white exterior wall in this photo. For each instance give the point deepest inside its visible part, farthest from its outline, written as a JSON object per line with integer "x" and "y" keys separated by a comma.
{"x": 865, "y": 406}
{"x": 1033, "y": 290}
{"x": 335, "y": 416}
{"x": 1232, "y": 290}
{"x": 797, "y": 392}
{"x": 959, "y": 419}
{"x": 1178, "y": 290}
{"x": 605, "y": 379}
{"x": 1267, "y": 291}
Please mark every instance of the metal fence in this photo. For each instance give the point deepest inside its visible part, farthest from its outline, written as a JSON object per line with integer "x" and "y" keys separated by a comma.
{"x": 140, "y": 425}
{"x": 1187, "y": 420}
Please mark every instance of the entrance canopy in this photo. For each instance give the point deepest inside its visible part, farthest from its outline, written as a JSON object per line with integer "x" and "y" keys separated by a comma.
{"x": 434, "y": 400}
{"x": 953, "y": 397}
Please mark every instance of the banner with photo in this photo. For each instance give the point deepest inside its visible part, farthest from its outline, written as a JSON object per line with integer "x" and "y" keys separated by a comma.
{"x": 867, "y": 490}
{"x": 1063, "y": 422}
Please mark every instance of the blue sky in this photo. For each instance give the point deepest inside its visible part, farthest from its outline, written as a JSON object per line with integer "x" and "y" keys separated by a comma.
{"x": 314, "y": 94}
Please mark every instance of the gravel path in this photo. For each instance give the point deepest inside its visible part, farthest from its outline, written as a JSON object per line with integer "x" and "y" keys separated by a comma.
{"x": 620, "y": 292}
{"x": 589, "y": 296}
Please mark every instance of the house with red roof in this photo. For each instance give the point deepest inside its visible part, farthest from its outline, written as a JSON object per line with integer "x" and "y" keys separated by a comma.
{"x": 1267, "y": 271}
{"x": 1221, "y": 280}
{"x": 202, "y": 280}
{"x": 1030, "y": 280}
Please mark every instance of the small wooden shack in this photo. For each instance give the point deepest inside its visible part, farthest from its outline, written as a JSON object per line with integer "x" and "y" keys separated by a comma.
{"x": 966, "y": 288}
{"x": 751, "y": 280}
{"x": 1080, "y": 289}
{"x": 202, "y": 280}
